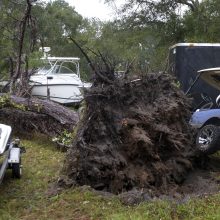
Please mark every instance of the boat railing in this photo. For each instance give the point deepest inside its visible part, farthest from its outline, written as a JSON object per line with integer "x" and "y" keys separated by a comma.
{"x": 60, "y": 61}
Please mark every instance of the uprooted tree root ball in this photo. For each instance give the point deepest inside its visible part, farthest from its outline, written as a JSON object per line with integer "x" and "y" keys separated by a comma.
{"x": 134, "y": 134}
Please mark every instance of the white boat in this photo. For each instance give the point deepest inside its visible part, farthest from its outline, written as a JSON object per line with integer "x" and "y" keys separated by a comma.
{"x": 59, "y": 80}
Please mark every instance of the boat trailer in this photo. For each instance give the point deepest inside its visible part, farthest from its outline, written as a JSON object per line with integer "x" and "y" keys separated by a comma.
{"x": 10, "y": 153}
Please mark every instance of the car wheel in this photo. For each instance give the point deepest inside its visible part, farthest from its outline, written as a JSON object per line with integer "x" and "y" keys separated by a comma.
{"x": 208, "y": 139}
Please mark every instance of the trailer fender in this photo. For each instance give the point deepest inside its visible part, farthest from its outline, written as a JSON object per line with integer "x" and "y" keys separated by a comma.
{"x": 14, "y": 156}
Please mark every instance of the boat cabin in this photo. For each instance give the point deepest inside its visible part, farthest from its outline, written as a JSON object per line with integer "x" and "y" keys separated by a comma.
{"x": 60, "y": 65}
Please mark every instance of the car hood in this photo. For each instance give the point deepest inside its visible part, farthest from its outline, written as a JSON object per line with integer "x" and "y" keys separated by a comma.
{"x": 201, "y": 116}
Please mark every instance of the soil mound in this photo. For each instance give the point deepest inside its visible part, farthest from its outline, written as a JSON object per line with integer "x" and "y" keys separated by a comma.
{"x": 134, "y": 134}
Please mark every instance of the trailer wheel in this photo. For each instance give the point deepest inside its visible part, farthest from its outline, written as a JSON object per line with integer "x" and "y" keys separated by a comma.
{"x": 16, "y": 170}
{"x": 208, "y": 139}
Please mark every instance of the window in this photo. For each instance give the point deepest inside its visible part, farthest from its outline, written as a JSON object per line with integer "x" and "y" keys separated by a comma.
{"x": 64, "y": 70}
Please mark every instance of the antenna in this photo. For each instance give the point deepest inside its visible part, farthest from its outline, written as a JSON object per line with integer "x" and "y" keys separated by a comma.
{"x": 45, "y": 50}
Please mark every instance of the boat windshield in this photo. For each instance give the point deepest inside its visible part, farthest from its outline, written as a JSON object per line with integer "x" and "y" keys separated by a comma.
{"x": 63, "y": 68}
{"x": 58, "y": 69}
{"x": 44, "y": 70}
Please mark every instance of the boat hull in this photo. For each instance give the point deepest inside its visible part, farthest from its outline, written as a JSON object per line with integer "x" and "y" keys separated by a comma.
{"x": 61, "y": 93}
{"x": 61, "y": 88}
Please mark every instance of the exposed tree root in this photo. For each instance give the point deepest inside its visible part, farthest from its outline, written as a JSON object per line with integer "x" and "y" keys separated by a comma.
{"x": 134, "y": 134}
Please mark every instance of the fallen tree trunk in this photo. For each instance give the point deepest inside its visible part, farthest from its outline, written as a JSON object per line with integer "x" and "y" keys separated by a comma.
{"x": 32, "y": 114}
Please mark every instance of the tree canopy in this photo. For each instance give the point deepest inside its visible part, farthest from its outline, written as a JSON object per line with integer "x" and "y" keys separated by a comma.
{"x": 143, "y": 33}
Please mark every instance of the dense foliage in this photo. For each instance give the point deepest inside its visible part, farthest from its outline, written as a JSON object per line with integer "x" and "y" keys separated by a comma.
{"x": 142, "y": 35}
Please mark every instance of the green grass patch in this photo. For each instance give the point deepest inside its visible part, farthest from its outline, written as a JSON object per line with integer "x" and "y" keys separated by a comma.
{"x": 27, "y": 198}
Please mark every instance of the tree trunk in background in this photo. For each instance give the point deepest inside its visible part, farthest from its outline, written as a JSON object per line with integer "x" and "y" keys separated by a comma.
{"x": 21, "y": 88}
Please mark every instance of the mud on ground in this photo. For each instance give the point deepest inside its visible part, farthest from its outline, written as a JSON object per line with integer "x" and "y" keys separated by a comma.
{"x": 204, "y": 179}
{"x": 200, "y": 182}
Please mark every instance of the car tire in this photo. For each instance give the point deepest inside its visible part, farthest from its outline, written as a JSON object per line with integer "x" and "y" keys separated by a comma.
{"x": 208, "y": 139}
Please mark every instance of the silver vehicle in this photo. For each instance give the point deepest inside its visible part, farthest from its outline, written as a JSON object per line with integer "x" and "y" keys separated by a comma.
{"x": 206, "y": 120}
{"x": 10, "y": 153}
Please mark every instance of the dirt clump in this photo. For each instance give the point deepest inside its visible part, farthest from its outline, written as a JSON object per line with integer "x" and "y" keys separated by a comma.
{"x": 134, "y": 135}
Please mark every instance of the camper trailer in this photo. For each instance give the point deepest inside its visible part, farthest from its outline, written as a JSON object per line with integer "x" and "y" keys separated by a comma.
{"x": 186, "y": 59}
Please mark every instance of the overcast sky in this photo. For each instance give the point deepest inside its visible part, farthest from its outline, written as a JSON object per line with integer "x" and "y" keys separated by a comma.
{"x": 95, "y": 8}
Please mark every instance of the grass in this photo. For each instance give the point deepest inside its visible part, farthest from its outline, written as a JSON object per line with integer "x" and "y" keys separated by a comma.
{"x": 27, "y": 198}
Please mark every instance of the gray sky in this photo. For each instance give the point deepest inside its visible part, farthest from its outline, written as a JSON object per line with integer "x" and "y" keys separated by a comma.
{"x": 95, "y": 8}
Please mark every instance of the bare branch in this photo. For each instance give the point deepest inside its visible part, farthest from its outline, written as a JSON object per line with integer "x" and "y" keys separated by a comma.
{"x": 105, "y": 79}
